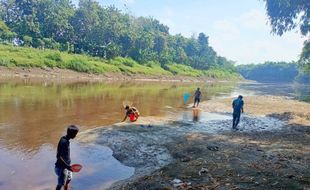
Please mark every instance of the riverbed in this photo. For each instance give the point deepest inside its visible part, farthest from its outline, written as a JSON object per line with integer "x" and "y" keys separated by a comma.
{"x": 34, "y": 115}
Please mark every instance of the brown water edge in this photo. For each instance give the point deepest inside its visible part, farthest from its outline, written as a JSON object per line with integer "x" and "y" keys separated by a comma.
{"x": 32, "y": 114}
{"x": 35, "y": 113}
{"x": 70, "y": 76}
{"x": 260, "y": 156}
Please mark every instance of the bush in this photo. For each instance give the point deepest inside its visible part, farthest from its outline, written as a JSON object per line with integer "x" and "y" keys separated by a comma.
{"x": 184, "y": 70}
{"x": 7, "y": 63}
{"x": 79, "y": 65}
{"x": 125, "y": 61}
{"x": 27, "y": 40}
{"x": 54, "y": 56}
{"x": 152, "y": 64}
{"x": 49, "y": 63}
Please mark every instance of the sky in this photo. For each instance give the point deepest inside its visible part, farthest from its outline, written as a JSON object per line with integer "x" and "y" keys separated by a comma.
{"x": 237, "y": 29}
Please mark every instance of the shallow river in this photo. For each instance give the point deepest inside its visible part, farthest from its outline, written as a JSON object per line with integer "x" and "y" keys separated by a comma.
{"x": 34, "y": 115}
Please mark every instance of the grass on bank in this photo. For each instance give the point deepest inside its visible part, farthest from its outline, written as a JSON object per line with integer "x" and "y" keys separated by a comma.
{"x": 12, "y": 56}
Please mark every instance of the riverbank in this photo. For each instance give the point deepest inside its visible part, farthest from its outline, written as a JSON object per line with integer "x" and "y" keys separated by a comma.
{"x": 270, "y": 151}
{"x": 69, "y": 76}
{"x": 25, "y": 62}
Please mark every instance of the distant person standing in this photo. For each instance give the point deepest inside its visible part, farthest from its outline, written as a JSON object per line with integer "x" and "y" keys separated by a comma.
{"x": 62, "y": 166}
{"x": 238, "y": 108}
{"x": 197, "y": 97}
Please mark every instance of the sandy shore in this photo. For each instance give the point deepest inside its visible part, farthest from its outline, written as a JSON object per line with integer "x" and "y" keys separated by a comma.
{"x": 279, "y": 107}
{"x": 270, "y": 151}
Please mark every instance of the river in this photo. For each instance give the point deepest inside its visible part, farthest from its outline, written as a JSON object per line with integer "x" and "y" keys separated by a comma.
{"x": 34, "y": 115}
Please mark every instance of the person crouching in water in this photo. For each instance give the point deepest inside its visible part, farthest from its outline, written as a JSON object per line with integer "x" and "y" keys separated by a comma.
{"x": 62, "y": 166}
{"x": 132, "y": 113}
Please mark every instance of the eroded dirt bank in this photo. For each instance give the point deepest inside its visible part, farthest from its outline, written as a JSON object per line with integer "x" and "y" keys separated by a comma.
{"x": 68, "y": 76}
{"x": 270, "y": 151}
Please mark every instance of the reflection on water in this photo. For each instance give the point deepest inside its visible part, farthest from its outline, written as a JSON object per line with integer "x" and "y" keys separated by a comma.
{"x": 33, "y": 116}
{"x": 99, "y": 170}
{"x": 196, "y": 115}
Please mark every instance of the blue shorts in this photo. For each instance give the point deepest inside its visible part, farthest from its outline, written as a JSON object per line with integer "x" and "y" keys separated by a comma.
{"x": 64, "y": 175}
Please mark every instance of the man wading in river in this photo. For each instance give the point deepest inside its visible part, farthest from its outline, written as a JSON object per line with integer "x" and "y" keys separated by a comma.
{"x": 238, "y": 108}
{"x": 62, "y": 166}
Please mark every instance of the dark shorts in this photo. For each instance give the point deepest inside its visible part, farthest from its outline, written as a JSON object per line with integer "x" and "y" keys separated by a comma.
{"x": 63, "y": 175}
{"x": 197, "y": 100}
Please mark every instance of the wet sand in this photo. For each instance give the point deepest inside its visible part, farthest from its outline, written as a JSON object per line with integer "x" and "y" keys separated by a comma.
{"x": 270, "y": 151}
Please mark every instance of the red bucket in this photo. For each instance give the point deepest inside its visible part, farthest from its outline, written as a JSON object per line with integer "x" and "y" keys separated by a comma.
{"x": 76, "y": 167}
{"x": 132, "y": 117}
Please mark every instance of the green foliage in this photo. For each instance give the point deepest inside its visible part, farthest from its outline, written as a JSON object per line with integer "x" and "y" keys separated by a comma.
{"x": 178, "y": 69}
{"x": 5, "y": 32}
{"x": 305, "y": 57}
{"x": 103, "y": 32}
{"x": 270, "y": 71}
{"x": 55, "y": 56}
{"x": 11, "y": 56}
{"x": 27, "y": 40}
{"x": 78, "y": 65}
{"x": 286, "y": 15}
{"x": 125, "y": 61}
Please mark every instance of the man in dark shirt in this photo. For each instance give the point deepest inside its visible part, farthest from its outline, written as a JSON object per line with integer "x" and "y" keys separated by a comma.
{"x": 238, "y": 108}
{"x": 62, "y": 166}
{"x": 197, "y": 97}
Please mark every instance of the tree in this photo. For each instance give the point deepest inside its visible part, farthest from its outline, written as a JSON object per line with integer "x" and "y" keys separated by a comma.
{"x": 104, "y": 32}
{"x": 305, "y": 57}
{"x": 5, "y": 32}
{"x": 21, "y": 17}
{"x": 286, "y": 15}
{"x": 53, "y": 17}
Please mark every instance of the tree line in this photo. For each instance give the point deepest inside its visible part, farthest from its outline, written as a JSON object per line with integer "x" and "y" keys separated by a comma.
{"x": 270, "y": 72}
{"x": 106, "y": 32}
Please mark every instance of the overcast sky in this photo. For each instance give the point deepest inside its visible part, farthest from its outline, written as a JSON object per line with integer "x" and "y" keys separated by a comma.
{"x": 237, "y": 29}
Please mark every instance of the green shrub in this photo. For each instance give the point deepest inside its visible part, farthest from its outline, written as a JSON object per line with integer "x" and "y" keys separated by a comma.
{"x": 49, "y": 63}
{"x": 27, "y": 40}
{"x": 78, "y": 65}
{"x": 152, "y": 64}
{"x": 54, "y": 56}
{"x": 125, "y": 61}
{"x": 4, "y": 62}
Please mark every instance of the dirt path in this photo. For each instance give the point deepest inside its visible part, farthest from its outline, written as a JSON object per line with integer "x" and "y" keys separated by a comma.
{"x": 272, "y": 151}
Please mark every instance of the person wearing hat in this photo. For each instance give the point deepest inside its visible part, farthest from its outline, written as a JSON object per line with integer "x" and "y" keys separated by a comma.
{"x": 62, "y": 166}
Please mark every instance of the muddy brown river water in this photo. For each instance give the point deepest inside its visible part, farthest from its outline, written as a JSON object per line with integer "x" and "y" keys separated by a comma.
{"x": 34, "y": 115}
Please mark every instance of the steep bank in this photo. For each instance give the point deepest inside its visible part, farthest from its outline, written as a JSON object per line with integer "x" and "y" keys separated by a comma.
{"x": 271, "y": 151}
